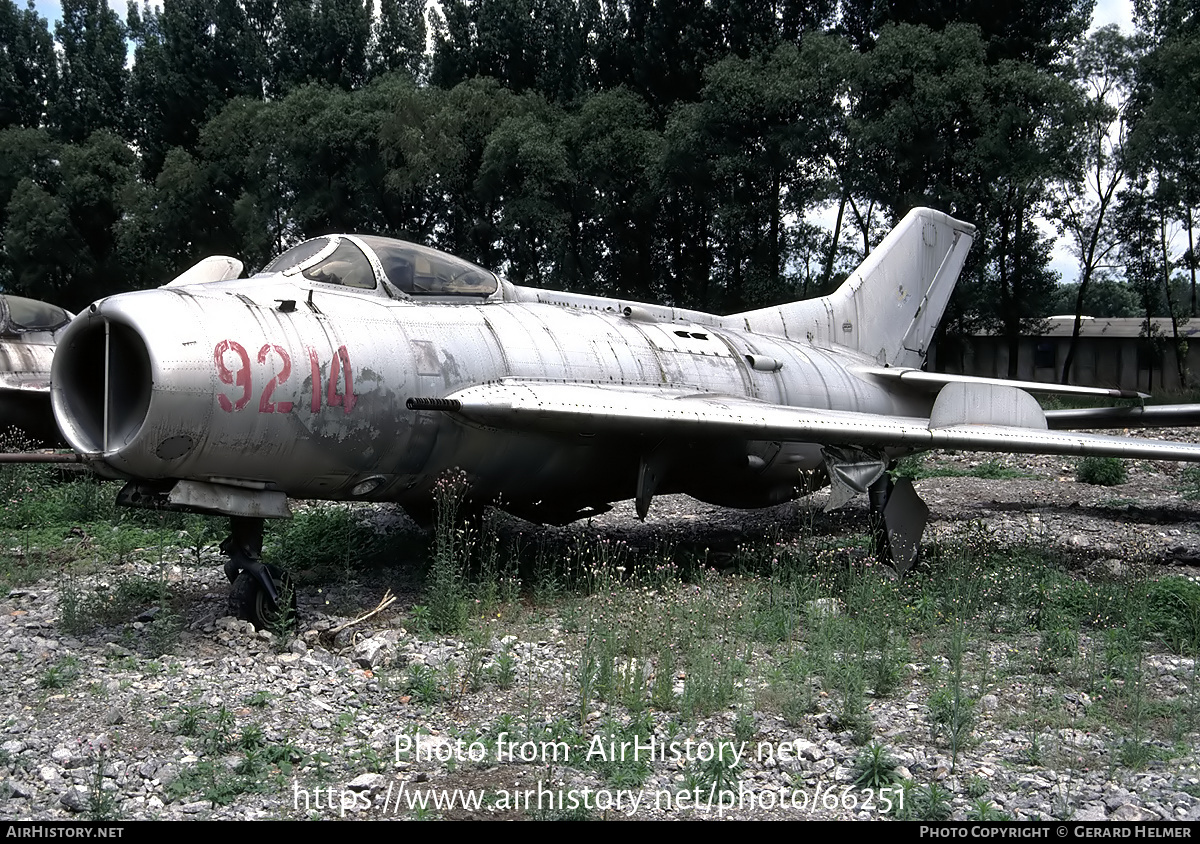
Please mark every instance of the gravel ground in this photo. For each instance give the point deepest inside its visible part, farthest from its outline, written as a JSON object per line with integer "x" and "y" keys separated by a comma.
{"x": 307, "y": 726}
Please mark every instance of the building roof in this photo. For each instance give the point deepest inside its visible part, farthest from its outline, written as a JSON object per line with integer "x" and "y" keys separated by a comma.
{"x": 1119, "y": 327}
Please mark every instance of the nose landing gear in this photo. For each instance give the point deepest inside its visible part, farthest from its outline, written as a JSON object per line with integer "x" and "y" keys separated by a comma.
{"x": 261, "y": 593}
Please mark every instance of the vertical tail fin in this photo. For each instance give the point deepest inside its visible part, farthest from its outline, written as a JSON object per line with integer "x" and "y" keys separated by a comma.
{"x": 890, "y": 306}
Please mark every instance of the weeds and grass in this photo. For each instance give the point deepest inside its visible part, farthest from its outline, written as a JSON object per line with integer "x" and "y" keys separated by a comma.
{"x": 985, "y": 810}
{"x": 875, "y": 767}
{"x": 259, "y": 699}
{"x": 660, "y": 644}
{"x": 328, "y": 539}
{"x": 918, "y": 467}
{"x": 61, "y": 674}
{"x": 504, "y": 669}
{"x": 117, "y": 603}
{"x": 281, "y": 623}
{"x": 624, "y": 770}
{"x": 1101, "y": 471}
{"x": 1189, "y": 483}
{"x": 952, "y": 707}
{"x": 453, "y": 543}
{"x": 102, "y": 803}
{"x": 233, "y": 758}
{"x": 932, "y": 802}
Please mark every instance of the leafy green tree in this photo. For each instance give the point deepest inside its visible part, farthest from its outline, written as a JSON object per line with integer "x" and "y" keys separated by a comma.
{"x": 687, "y": 190}
{"x": 1162, "y": 20}
{"x": 1041, "y": 33}
{"x": 665, "y": 48}
{"x": 918, "y": 103}
{"x": 923, "y": 102}
{"x": 59, "y": 237}
{"x": 398, "y": 38}
{"x": 25, "y": 153}
{"x": 433, "y": 145}
{"x": 1026, "y": 145}
{"x": 1164, "y": 140}
{"x": 614, "y": 153}
{"x": 327, "y": 141}
{"x": 323, "y": 41}
{"x": 567, "y": 69}
{"x": 170, "y": 223}
{"x": 938, "y": 123}
{"x": 1108, "y": 296}
{"x": 1017, "y": 280}
{"x": 425, "y": 173}
{"x": 27, "y": 65}
{"x": 191, "y": 57}
{"x": 797, "y": 18}
{"x": 528, "y": 45}
{"x": 1140, "y": 220}
{"x": 44, "y": 252}
{"x": 1104, "y": 71}
{"x": 91, "y": 71}
{"x": 771, "y": 120}
{"x": 244, "y": 178}
{"x": 525, "y": 173}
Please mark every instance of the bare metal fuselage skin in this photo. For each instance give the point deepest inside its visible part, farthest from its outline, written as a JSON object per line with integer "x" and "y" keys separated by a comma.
{"x": 287, "y": 384}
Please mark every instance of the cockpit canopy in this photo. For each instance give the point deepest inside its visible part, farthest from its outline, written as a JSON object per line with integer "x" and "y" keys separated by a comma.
{"x": 19, "y": 315}
{"x": 358, "y": 261}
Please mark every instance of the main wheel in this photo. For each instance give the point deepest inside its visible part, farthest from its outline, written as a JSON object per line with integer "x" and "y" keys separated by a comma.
{"x": 250, "y": 602}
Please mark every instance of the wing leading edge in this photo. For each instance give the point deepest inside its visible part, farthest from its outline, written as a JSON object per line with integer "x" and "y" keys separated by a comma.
{"x": 567, "y": 409}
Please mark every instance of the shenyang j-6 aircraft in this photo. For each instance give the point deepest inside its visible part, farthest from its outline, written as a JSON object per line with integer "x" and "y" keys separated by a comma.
{"x": 362, "y": 368}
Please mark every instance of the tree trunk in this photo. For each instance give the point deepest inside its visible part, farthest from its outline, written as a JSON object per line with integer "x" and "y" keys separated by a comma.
{"x": 1191, "y": 257}
{"x": 837, "y": 234}
{"x": 1070, "y": 359}
{"x": 776, "y": 215}
{"x": 1180, "y": 344}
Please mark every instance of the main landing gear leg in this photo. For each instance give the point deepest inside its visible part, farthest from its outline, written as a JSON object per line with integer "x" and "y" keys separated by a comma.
{"x": 898, "y": 517}
{"x": 877, "y": 496}
{"x": 260, "y": 593}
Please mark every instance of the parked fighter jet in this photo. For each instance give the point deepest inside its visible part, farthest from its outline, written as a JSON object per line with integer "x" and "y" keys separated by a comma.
{"x": 362, "y": 368}
{"x": 26, "y": 349}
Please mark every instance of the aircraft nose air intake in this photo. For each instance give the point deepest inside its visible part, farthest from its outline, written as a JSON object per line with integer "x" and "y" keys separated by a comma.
{"x": 102, "y": 382}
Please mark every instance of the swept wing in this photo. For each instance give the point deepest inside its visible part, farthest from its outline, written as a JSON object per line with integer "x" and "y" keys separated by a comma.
{"x": 573, "y": 409}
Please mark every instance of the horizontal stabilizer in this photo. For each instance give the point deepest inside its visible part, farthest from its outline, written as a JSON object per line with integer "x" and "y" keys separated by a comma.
{"x": 934, "y": 381}
{"x": 1157, "y": 416}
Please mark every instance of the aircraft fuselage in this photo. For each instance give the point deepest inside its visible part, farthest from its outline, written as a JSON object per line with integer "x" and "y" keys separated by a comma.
{"x": 302, "y": 388}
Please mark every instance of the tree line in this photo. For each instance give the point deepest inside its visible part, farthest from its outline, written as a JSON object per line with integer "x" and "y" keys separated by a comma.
{"x": 665, "y": 150}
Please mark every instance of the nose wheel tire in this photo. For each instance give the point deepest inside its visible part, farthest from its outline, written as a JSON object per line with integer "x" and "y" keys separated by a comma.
{"x": 249, "y": 601}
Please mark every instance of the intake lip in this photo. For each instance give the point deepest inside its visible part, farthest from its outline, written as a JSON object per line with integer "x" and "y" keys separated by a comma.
{"x": 101, "y": 382}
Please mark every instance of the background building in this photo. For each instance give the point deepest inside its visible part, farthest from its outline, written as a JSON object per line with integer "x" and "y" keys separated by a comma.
{"x": 1112, "y": 352}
